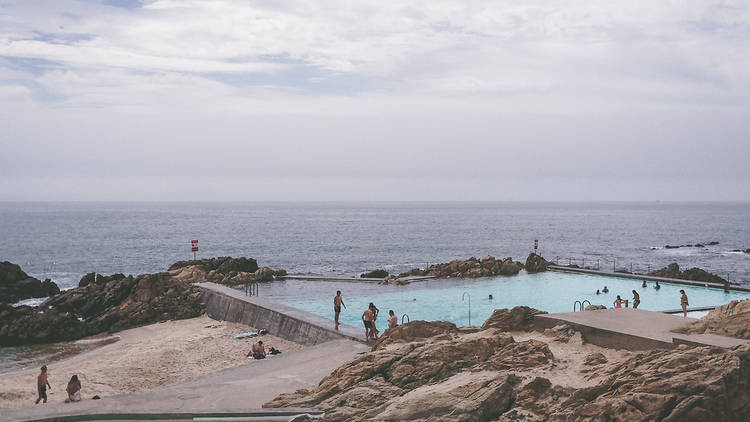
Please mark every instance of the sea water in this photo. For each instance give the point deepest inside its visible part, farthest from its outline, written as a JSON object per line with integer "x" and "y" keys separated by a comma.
{"x": 64, "y": 241}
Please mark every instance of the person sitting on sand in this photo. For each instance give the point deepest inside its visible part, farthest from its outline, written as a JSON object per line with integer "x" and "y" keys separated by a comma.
{"x": 636, "y": 299}
{"x": 657, "y": 286}
{"x": 41, "y": 385}
{"x": 393, "y": 320}
{"x": 644, "y": 283}
{"x": 605, "y": 290}
{"x": 684, "y": 303}
{"x": 618, "y": 302}
{"x": 73, "y": 389}
{"x": 367, "y": 316}
{"x": 258, "y": 351}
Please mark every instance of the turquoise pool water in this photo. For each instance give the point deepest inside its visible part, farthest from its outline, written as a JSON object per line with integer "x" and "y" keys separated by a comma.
{"x": 442, "y": 299}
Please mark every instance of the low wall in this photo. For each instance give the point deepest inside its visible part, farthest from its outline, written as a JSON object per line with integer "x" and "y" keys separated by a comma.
{"x": 227, "y": 304}
{"x": 603, "y": 337}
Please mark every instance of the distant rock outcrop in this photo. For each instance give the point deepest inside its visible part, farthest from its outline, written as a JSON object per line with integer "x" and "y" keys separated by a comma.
{"x": 694, "y": 274}
{"x": 16, "y": 285}
{"x": 375, "y": 274}
{"x": 117, "y": 302}
{"x": 535, "y": 263}
{"x": 440, "y": 373}
{"x": 470, "y": 268}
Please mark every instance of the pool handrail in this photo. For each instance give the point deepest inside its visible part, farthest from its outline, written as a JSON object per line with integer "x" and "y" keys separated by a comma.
{"x": 407, "y": 318}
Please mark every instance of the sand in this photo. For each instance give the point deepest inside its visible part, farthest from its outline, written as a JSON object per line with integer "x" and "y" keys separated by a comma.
{"x": 144, "y": 358}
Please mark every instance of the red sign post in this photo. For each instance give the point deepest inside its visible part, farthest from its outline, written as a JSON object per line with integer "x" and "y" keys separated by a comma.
{"x": 194, "y": 244}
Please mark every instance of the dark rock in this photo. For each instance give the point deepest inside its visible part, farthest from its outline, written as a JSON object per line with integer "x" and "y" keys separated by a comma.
{"x": 535, "y": 263}
{"x": 712, "y": 243}
{"x": 375, "y": 274}
{"x": 87, "y": 279}
{"x": 470, "y": 268}
{"x": 698, "y": 245}
{"x": 16, "y": 285}
{"x": 222, "y": 265}
{"x": 693, "y": 274}
{"x": 670, "y": 247}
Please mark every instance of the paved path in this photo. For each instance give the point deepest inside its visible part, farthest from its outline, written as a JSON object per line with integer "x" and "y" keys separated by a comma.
{"x": 235, "y": 390}
{"x": 652, "y": 327}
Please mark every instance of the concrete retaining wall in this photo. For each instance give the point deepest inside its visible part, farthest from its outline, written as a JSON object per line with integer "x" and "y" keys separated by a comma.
{"x": 227, "y": 304}
{"x": 602, "y": 337}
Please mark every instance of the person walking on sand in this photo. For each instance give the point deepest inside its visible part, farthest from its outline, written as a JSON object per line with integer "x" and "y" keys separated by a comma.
{"x": 375, "y": 312}
{"x": 338, "y": 302}
{"x": 42, "y": 384}
{"x": 684, "y": 303}
{"x": 367, "y": 317}
{"x": 393, "y": 320}
{"x": 73, "y": 389}
{"x": 636, "y": 299}
{"x": 618, "y": 302}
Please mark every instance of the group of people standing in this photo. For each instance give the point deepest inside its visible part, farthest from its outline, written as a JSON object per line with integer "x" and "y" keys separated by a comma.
{"x": 369, "y": 316}
{"x": 42, "y": 384}
{"x": 637, "y": 298}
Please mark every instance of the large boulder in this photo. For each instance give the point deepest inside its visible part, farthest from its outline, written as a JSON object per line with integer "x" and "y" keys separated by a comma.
{"x": 26, "y": 324}
{"x": 415, "y": 330}
{"x": 222, "y": 264}
{"x": 469, "y": 268}
{"x": 535, "y": 263}
{"x": 520, "y": 318}
{"x": 16, "y": 285}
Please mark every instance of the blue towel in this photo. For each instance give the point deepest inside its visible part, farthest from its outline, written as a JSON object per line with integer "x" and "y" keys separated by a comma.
{"x": 247, "y": 334}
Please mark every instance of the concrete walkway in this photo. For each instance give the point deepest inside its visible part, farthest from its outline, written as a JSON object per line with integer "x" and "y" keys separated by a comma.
{"x": 238, "y": 390}
{"x": 633, "y": 329}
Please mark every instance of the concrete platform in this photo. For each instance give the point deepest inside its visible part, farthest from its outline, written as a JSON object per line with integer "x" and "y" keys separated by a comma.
{"x": 241, "y": 390}
{"x": 633, "y": 329}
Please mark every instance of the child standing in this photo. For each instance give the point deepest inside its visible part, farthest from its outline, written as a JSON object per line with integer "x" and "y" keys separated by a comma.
{"x": 41, "y": 385}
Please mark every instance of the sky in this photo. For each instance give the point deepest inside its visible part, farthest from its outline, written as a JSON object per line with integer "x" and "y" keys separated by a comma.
{"x": 197, "y": 100}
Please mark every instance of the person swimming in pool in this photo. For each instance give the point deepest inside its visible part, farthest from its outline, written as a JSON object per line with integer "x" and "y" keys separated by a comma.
{"x": 490, "y": 298}
{"x": 393, "y": 320}
{"x": 618, "y": 302}
{"x": 644, "y": 283}
{"x": 605, "y": 290}
{"x": 657, "y": 286}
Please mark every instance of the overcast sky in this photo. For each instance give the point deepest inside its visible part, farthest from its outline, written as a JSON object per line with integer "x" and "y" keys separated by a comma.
{"x": 357, "y": 100}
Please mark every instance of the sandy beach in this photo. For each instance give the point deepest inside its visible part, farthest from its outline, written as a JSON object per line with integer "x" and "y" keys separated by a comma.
{"x": 144, "y": 358}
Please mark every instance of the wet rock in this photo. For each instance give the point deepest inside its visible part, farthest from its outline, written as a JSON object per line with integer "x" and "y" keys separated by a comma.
{"x": 712, "y": 243}
{"x": 535, "y": 264}
{"x": 26, "y": 324}
{"x": 694, "y": 274}
{"x": 470, "y": 268}
{"x": 222, "y": 264}
{"x": 375, "y": 274}
{"x": 520, "y": 318}
{"x": 16, "y": 285}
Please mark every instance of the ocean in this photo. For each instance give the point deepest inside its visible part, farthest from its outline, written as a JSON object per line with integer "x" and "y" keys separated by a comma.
{"x": 63, "y": 241}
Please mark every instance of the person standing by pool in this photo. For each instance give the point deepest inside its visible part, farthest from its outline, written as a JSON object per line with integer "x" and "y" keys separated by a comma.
{"x": 367, "y": 316}
{"x": 393, "y": 320}
{"x": 618, "y": 302}
{"x": 684, "y": 303}
{"x": 338, "y": 302}
{"x": 375, "y": 312}
{"x": 636, "y": 299}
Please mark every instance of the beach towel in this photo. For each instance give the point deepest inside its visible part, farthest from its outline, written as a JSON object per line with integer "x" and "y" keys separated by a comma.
{"x": 244, "y": 335}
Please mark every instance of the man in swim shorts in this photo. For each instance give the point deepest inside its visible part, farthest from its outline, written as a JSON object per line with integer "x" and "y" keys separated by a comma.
{"x": 636, "y": 299}
{"x": 41, "y": 385}
{"x": 367, "y": 317}
{"x": 338, "y": 302}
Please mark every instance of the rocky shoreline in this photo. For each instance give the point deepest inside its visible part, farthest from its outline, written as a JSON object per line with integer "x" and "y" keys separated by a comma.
{"x": 434, "y": 371}
{"x": 117, "y": 302}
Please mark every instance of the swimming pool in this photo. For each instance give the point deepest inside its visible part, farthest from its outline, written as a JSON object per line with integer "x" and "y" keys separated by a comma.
{"x": 448, "y": 299}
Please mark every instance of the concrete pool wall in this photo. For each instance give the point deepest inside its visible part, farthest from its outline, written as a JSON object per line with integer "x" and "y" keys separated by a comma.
{"x": 227, "y": 304}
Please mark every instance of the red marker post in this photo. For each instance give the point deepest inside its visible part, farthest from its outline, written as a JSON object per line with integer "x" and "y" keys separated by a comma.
{"x": 536, "y": 245}
{"x": 194, "y": 244}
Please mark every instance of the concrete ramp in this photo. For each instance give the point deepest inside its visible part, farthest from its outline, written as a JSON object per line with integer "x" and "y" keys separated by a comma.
{"x": 633, "y": 329}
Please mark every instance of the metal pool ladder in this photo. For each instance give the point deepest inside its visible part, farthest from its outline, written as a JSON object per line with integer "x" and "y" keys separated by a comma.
{"x": 407, "y": 318}
{"x": 578, "y": 302}
{"x": 251, "y": 289}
